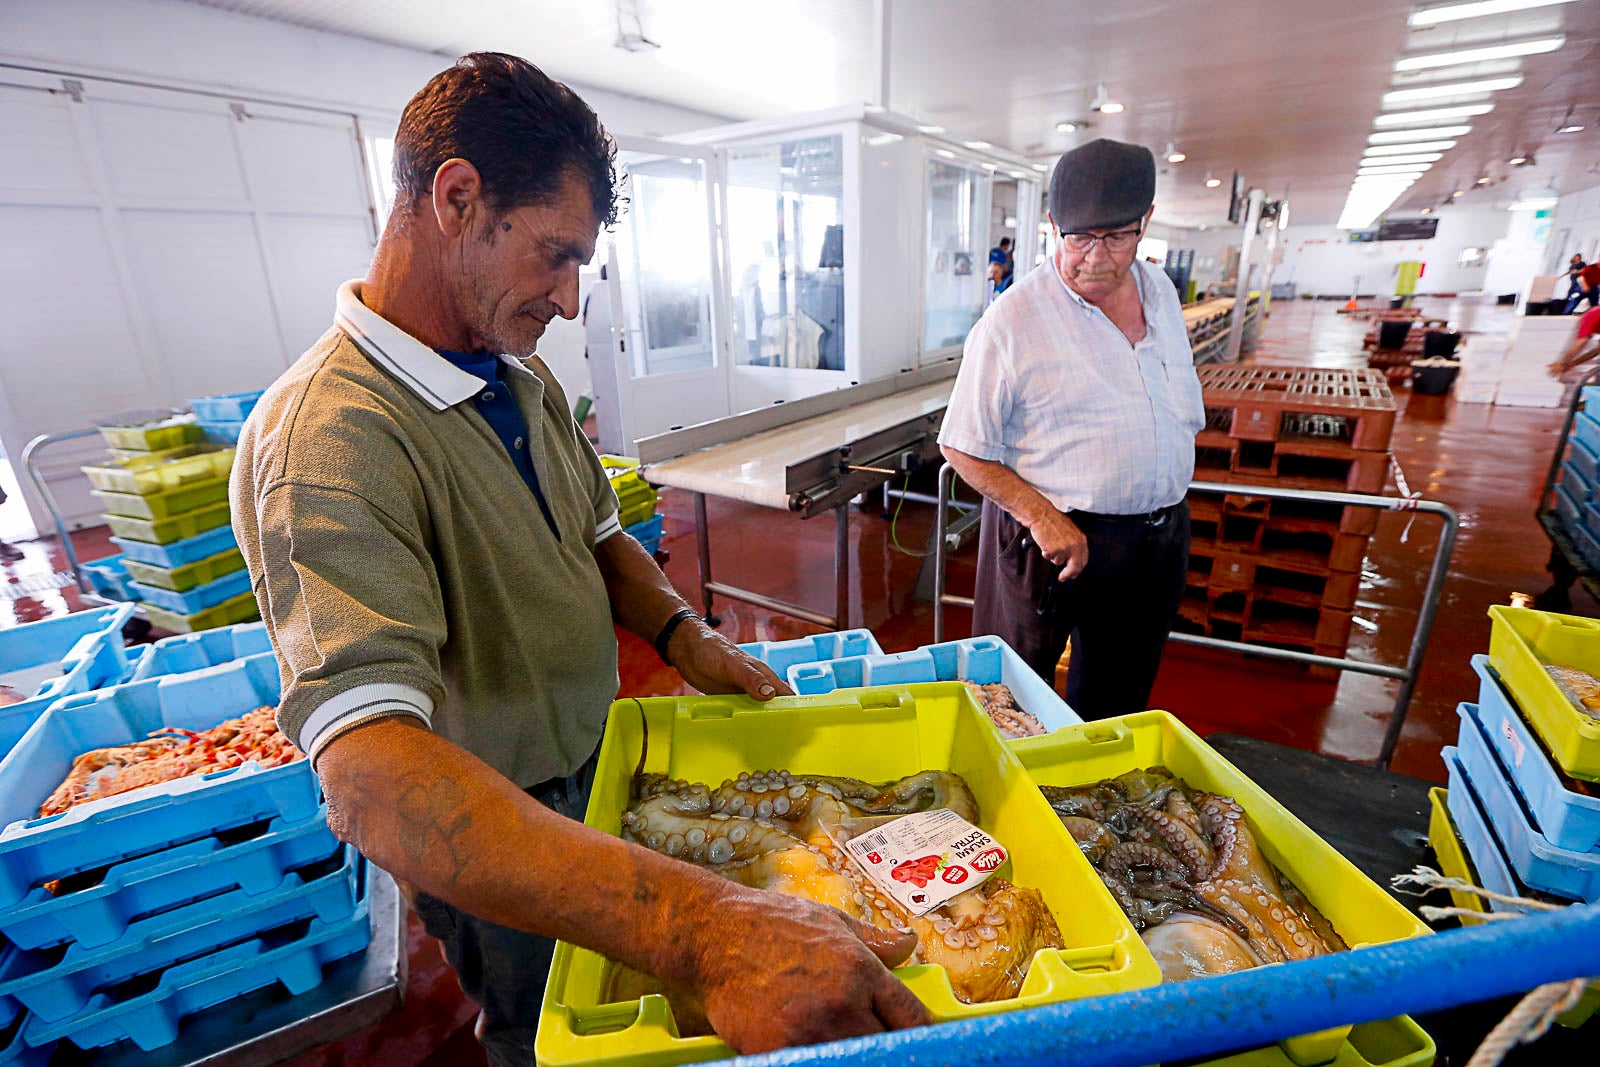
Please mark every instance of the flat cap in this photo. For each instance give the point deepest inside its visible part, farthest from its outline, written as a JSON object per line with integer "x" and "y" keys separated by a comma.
{"x": 1102, "y": 185}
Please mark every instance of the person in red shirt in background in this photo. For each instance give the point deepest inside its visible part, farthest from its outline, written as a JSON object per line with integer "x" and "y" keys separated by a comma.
{"x": 1584, "y": 345}
{"x": 1589, "y": 282}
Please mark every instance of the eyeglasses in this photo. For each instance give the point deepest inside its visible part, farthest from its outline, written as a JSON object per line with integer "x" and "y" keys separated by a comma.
{"x": 1120, "y": 241}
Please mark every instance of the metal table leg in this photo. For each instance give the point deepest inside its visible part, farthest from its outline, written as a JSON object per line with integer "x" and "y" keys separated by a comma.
{"x": 702, "y": 537}
{"x": 841, "y": 566}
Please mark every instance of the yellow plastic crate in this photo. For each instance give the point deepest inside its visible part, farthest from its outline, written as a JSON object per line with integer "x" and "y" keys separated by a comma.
{"x": 873, "y": 734}
{"x": 1455, "y": 863}
{"x": 1389, "y": 1043}
{"x": 176, "y": 528}
{"x": 157, "y": 472}
{"x": 165, "y": 504}
{"x": 189, "y": 575}
{"x": 241, "y": 608}
{"x": 1521, "y": 642}
{"x": 636, "y": 498}
{"x": 153, "y": 434}
{"x": 1360, "y": 910}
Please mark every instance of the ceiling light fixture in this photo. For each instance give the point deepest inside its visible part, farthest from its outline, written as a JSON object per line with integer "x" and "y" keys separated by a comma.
{"x": 1432, "y": 114}
{"x": 1438, "y": 92}
{"x": 1482, "y": 181}
{"x": 1041, "y": 167}
{"x": 632, "y": 40}
{"x": 1406, "y": 149}
{"x": 1520, "y": 159}
{"x": 1458, "y": 192}
{"x": 1420, "y": 157}
{"x": 930, "y": 128}
{"x": 1363, "y": 206}
{"x": 1432, "y": 16}
{"x": 1212, "y": 181}
{"x": 1402, "y": 136}
{"x": 1426, "y": 211}
{"x": 1173, "y": 155}
{"x": 1534, "y": 47}
{"x": 1536, "y": 203}
{"x": 1103, "y": 103}
{"x": 1415, "y": 168}
{"x": 1066, "y": 127}
{"x": 1571, "y": 127}
{"x": 978, "y": 146}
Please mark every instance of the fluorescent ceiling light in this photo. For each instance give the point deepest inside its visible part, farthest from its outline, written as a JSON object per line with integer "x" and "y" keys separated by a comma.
{"x": 1433, "y": 114}
{"x": 1041, "y": 166}
{"x": 1419, "y": 168}
{"x": 1432, "y": 16}
{"x": 1421, "y": 157}
{"x": 1537, "y": 46}
{"x": 978, "y": 146}
{"x": 1384, "y": 180}
{"x": 1066, "y": 127}
{"x": 1176, "y": 157}
{"x": 1402, "y": 136}
{"x": 1212, "y": 183}
{"x": 1363, "y": 206}
{"x": 1571, "y": 127}
{"x": 1438, "y": 92}
{"x": 930, "y": 128}
{"x": 1406, "y": 149}
{"x": 944, "y": 153}
{"x": 1537, "y": 203}
{"x": 1102, "y": 101}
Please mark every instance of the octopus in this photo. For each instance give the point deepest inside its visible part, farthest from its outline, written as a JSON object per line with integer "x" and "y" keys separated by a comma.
{"x": 1000, "y": 704}
{"x": 1185, "y": 869}
{"x": 1581, "y": 688}
{"x": 784, "y": 832}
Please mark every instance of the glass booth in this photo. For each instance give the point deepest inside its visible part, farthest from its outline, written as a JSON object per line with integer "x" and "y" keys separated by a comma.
{"x": 768, "y": 261}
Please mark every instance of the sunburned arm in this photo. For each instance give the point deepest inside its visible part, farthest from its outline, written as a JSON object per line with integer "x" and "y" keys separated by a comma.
{"x": 1057, "y": 536}
{"x": 771, "y": 970}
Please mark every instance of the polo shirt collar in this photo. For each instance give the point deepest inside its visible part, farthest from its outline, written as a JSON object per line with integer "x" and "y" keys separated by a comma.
{"x": 425, "y": 372}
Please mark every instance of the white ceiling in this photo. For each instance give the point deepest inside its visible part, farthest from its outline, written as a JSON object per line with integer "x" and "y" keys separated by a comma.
{"x": 1283, "y": 91}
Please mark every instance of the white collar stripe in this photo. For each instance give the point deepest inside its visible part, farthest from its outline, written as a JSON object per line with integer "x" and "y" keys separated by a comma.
{"x": 432, "y": 377}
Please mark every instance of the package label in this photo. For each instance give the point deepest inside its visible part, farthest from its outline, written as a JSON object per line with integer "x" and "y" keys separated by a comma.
{"x": 924, "y": 860}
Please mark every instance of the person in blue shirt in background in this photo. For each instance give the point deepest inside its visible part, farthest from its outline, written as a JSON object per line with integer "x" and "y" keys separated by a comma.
{"x": 1001, "y": 268}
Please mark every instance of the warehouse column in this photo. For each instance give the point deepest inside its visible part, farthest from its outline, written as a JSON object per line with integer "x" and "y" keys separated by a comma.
{"x": 1241, "y": 292}
{"x": 879, "y": 91}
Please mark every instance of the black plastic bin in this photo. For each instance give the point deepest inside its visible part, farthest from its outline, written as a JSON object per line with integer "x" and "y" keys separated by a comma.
{"x": 1392, "y": 334}
{"x": 1434, "y": 381}
{"x": 1440, "y": 344}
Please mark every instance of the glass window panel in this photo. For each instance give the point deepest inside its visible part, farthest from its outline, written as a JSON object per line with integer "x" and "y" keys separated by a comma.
{"x": 664, "y": 252}
{"x": 785, "y": 231}
{"x": 956, "y": 264}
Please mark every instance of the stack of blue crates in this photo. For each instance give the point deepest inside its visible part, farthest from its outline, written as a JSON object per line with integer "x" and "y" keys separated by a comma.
{"x": 1576, "y": 500}
{"x": 122, "y": 916}
{"x": 222, "y": 417}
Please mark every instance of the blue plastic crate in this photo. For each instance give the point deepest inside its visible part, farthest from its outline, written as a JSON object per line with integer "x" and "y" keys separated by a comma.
{"x": 1585, "y": 463}
{"x": 18, "y": 1053}
{"x": 67, "y": 654}
{"x": 1566, "y": 818}
{"x": 161, "y": 881}
{"x": 1581, "y": 491}
{"x": 109, "y": 578}
{"x": 1560, "y": 871}
{"x": 197, "y": 651}
{"x": 781, "y": 655}
{"x": 197, "y": 599}
{"x": 226, "y": 407}
{"x": 222, "y": 432}
{"x": 35, "y": 850}
{"x": 54, "y": 986}
{"x": 1584, "y": 535}
{"x": 984, "y": 660}
{"x": 1586, "y": 430}
{"x": 1483, "y": 848}
{"x": 178, "y": 553}
{"x": 150, "y": 1020}
{"x": 1569, "y": 512}
{"x": 647, "y": 533}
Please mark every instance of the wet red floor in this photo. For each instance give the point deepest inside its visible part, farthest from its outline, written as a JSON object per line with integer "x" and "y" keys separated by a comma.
{"x": 1486, "y": 462}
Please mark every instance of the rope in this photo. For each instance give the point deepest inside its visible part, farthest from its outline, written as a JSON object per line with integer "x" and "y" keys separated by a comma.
{"x": 1536, "y": 1012}
{"x": 1408, "y": 499}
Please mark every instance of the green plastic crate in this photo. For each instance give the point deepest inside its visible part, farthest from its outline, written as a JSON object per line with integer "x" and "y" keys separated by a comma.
{"x": 241, "y": 608}
{"x": 158, "y": 472}
{"x": 176, "y": 528}
{"x": 167, "y": 503}
{"x": 179, "y": 579}
{"x": 152, "y": 431}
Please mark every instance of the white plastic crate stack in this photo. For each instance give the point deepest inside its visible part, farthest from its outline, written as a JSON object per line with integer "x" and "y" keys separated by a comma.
{"x": 1536, "y": 342}
{"x": 1483, "y": 363}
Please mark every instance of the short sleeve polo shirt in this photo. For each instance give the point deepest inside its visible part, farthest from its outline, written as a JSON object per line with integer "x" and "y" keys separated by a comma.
{"x": 403, "y": 564}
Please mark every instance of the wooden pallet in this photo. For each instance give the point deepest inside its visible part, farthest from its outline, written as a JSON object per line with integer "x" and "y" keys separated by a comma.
{"x": 1211, "y": 507}
{"x": 1271, "y": 577}
{"x": 1226, "y": 459}
{"x": 1260, "y": 402}
{"x": 1302, "y": 545}
{"x": 1229, "y": 617}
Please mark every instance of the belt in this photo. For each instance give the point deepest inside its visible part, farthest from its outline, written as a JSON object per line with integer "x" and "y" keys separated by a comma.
{"x": 1157, "y": 517}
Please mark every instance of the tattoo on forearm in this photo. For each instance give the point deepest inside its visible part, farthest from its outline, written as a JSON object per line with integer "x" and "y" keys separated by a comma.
{"x": 434, "y": 815}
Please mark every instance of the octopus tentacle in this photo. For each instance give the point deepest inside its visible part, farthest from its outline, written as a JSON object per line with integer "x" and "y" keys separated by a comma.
{"x": 925, "y": 791}
{"x": 707, "y": 839}
{"x": 1146, "y": 823}
{"x": 1120, "y": 862}
{"x": 1094, "y": 838}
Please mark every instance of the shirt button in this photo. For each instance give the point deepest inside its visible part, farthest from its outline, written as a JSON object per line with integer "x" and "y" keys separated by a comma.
{"x": 518, "y": 442}
{"x": 488, "y": 396}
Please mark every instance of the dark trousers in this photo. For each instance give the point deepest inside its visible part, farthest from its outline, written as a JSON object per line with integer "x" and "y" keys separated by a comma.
{"x": 1117, "y": 612}
{"x": 503, "y": 970}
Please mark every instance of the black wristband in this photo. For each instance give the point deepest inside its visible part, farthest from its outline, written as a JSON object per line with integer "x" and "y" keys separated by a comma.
{"x": 678, "y": 618}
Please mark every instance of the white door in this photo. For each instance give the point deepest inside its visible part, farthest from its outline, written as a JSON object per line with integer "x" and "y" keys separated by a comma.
{"x": 666, "y": 292}
{"x": 160, "y": 245}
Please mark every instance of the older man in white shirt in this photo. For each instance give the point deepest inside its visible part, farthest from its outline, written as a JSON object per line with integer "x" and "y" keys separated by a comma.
{"x": 1075, "y": 415}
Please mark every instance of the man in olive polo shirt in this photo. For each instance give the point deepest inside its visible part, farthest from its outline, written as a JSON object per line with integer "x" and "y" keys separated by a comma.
{"x": 436, "y": 551}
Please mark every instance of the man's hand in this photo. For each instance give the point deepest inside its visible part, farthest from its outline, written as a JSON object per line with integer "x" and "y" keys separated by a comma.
{"x": 713, "y": 664}
{"x": 775, "y": 971}
{"x": 1061, "y": 542}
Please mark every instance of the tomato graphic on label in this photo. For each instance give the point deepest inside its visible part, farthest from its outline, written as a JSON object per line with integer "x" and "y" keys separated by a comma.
{"x": 954, "y": 875}
{"x": 918, "y": 871}
{"x": 989, "y": 860}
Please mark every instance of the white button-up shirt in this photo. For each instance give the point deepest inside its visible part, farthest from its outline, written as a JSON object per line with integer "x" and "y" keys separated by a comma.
{"x": 1052, "y": 389}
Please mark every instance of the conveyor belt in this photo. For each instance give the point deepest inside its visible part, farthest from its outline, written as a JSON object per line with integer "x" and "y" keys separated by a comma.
{"x": 755, "y": 468}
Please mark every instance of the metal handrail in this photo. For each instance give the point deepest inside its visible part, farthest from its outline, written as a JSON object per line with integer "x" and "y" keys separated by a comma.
{"x": 1406, "y": 675}
{"x": 29, "y": 452}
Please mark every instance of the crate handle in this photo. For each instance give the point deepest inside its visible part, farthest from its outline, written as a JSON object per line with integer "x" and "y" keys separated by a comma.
{"x": 888, "y": 700}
